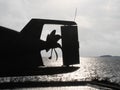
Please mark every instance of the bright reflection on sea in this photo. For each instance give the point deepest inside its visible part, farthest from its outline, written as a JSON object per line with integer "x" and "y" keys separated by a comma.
{"x": 100, "y": 68}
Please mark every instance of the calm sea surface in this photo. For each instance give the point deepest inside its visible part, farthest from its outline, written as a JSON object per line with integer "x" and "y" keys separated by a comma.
{"x": 100, "y": 68}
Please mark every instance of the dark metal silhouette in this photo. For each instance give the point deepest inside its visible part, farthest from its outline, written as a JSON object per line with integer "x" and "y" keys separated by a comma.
{"x": 70, "y": 46}
{"x": 21, "y": 50}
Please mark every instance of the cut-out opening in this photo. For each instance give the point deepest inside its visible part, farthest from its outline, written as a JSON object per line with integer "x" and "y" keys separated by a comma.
{"x": 47, "y": 29}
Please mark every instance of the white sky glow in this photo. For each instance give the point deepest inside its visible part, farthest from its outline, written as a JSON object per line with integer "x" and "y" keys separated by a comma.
{"x": 98, "y": 20}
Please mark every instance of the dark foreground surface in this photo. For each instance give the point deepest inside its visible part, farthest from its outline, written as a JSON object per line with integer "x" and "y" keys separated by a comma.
{"x": 97, "y": 85}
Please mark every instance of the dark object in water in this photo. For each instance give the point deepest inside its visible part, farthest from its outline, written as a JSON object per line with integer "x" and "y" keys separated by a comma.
{"x": 38, "y": 71}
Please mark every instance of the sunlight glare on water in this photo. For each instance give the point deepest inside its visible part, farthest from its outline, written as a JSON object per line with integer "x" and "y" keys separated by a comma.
{"x": 100, "y": 68}
{"x": 90, "y": 68}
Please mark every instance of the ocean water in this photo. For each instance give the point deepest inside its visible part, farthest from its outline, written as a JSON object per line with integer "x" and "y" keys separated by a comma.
{"x": 100, "y": 68}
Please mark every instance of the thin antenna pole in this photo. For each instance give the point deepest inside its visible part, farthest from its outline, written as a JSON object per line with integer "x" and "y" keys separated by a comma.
{"x": 75, "y": 14}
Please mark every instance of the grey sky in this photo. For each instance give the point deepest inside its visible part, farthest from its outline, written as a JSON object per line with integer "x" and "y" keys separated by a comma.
{"x": 98, "y": 20}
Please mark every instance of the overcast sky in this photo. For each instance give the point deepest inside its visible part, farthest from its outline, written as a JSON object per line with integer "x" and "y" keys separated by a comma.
{"x": 98, "y": 20}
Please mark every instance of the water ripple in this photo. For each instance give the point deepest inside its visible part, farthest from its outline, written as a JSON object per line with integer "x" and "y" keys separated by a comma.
{"x": 107, "y": 68}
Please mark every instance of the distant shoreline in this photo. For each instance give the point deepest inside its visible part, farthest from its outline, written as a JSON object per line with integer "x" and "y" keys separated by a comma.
{"x": 106, "y": 56}
{"x": 109, "y": 56}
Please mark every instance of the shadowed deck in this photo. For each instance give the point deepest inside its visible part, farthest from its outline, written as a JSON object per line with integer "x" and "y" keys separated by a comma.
{"x": 93, "y": 84}
{"x": 38, "y": 71}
